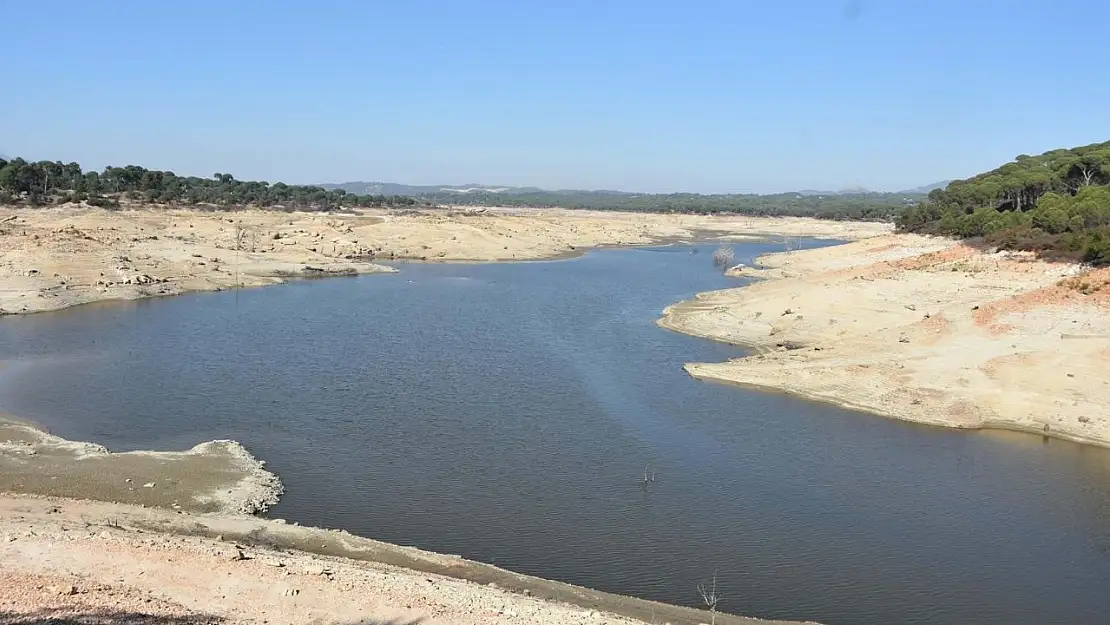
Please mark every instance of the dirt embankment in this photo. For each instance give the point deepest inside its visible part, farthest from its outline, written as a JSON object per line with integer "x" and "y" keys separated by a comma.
{"x": 53, "y": 258}
{"x": 922, "y": 329}
{"x": 93, "y": 563}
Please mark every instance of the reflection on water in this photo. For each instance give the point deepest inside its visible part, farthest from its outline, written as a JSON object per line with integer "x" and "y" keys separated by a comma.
{"x": 507, "y": 412}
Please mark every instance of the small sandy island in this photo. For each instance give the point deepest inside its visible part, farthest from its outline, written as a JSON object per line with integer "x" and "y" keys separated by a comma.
{"x": 923, "y": 329}
{"x": 53, "y": 258}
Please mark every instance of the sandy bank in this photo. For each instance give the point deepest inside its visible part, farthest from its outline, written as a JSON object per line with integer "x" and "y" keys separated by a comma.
{"x": 99, "y": 562}
{"x": 922, "y": 329}
{"x": 53, "y": 258}
{"x": 217, "y": 476}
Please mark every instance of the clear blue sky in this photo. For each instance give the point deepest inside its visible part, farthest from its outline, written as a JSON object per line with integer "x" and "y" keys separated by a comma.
{"x": 651, "y": 95}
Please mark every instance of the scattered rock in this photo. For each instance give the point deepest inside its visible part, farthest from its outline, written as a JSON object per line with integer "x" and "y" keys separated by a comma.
{"x": 1084, "y": 419}
{"x": 149, "y": 485}
{"x": 903, "y": 339}
{"x": 65, "y": 589}
{"x": 292, "y": 592}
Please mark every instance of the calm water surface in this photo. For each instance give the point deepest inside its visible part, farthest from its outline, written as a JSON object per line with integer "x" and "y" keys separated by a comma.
{"x": 506, "y": 413}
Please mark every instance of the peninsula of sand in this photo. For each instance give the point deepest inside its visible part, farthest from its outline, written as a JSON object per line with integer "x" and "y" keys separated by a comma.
{"x": 923, "y": 329}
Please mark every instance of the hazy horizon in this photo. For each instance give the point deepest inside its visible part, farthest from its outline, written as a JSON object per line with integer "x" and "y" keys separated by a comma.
{"x": 651, "y": 96}
{"x": 847, "y": 189}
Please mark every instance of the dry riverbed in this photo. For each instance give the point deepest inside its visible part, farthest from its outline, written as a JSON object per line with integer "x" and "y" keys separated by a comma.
{"x": 923, "y": 329}
{"x": 53, "y": 258}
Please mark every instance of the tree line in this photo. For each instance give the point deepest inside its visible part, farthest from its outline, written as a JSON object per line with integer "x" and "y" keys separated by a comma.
{"x": 54, "y": 182}
{"x": 843, "y": 206}
{"x": 1057, "y": 204}
{"x": 50, "y": 182}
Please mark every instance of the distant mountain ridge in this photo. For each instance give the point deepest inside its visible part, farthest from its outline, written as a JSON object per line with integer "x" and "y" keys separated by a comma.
{"x": 929, "y": 187}
{"x": 852, "y": 203}
{"x": 393, "y": 188}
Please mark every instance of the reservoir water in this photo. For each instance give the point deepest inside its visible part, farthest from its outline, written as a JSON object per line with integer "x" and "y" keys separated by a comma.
{"x": 507, "y": 412}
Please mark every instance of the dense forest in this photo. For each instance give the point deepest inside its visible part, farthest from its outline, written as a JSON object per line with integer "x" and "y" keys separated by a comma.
{"x": 46, "y": 182}
{"x": 1057, "y": 204}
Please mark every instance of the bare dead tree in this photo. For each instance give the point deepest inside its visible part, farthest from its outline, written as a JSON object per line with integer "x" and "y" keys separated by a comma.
{"x": 710, "y": 597}
{"x": 1088, "y": 173}
{"x": 723, "y": 256}
{"x": 240, "y": 239}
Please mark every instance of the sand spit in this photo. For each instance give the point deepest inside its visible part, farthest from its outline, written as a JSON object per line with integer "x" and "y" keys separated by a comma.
{"x": 53, "y": 258}
{"x": 93, "y": 562}
{"x": 922, "y": 329}
{"x": 217, "y": 476}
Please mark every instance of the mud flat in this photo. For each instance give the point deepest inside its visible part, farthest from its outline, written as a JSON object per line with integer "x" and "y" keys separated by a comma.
{"x": 53, "y": 258}
{"x": 923, "y": 329}
{"x": 217, "y": 476}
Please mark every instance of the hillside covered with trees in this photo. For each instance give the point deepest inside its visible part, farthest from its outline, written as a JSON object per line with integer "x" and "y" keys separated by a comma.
{"x": 47, "y": 182}
{"x": 1057, "y": 204}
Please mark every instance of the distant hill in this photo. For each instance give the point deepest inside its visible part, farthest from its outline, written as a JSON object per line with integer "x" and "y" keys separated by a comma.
{"x": 925, "y": 189}
{"x": 447, "y": 190}
{"x": 393, "y": 188}
{"x": 852, "y": 203}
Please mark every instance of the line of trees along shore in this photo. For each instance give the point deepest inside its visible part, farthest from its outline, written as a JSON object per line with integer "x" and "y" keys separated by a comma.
{"x": 54, "y": 182}
{"x": 1057, "y": 204}
{"x": 51, "y": 182}
{"x": 839, "y": 206}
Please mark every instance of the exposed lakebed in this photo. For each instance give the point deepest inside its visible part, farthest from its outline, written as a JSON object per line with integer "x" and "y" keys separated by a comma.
{"x": 506, "y": 412}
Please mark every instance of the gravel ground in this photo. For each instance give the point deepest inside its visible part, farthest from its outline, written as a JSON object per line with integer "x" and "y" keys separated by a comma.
{"x": 70, "y": 562}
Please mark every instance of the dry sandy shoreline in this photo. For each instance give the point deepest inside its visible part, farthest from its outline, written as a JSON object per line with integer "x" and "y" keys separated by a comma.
{"x": 97, "y": 562}
{"x": 921, "y": 329}
{"x": 54, "y": 258}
